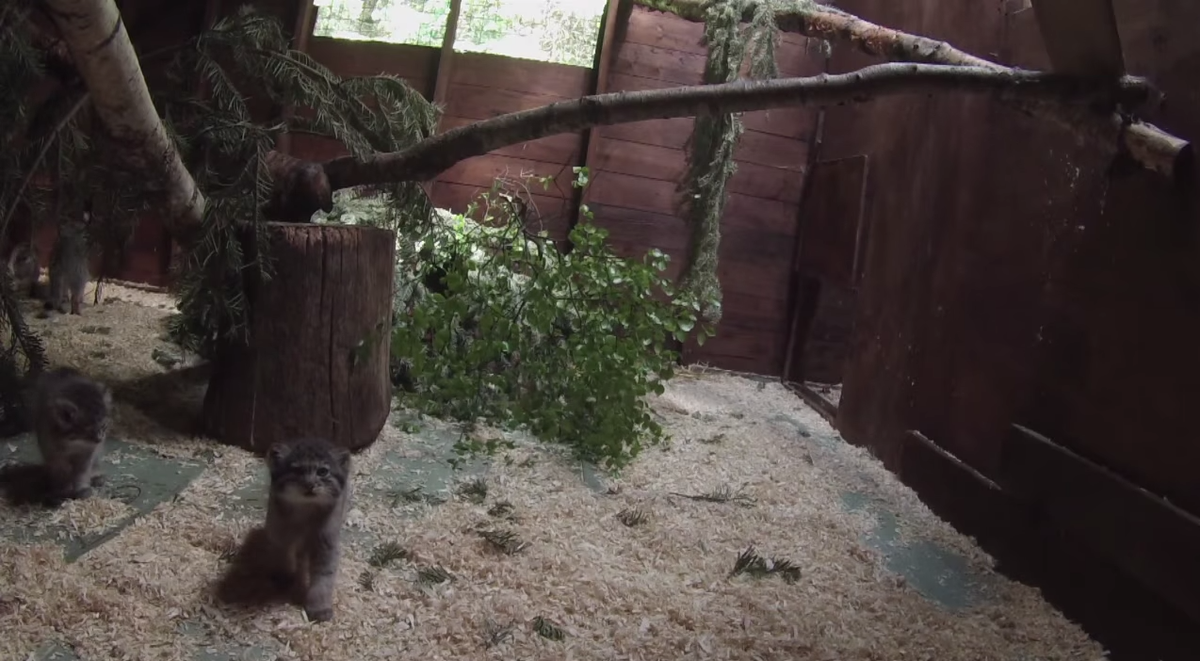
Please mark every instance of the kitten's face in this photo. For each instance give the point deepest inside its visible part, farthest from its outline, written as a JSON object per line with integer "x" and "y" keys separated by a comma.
{"x": 79, "y": 414}
{"x": 308, "y": 472}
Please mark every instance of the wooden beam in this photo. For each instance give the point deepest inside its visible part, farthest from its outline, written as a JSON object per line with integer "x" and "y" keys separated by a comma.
{"x": 1081, "y": 37}
{"x": 822, "y": 406}
{"x": 306, "y": 15}
{"x": 169, "y": 250}
{"x": 1148, "y": 537}
{"x": 441, "y": 79}
{"x": 605, "y": 41}
{"x": 445, "y": 62}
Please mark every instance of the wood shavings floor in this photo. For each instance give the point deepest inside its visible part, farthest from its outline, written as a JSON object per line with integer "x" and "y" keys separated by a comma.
{"x": 654, "y": 591}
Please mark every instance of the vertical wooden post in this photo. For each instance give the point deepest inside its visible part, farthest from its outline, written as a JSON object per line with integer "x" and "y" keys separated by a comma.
{"x": 170, "y": 251}
{"x": 441, "y": 77}
{"x": 609, "y": 30}
{"x": 306, "y": 15}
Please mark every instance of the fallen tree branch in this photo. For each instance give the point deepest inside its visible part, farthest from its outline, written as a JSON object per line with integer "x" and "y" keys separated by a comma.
{"x": 1145, "y": 143}
{"x": 99, "y": 45}
{"x": 437, "y": 154}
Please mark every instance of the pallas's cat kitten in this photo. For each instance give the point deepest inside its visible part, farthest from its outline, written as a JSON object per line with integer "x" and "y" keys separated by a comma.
{"x": 310, "y": 494}
{"x": 70, "y": 414}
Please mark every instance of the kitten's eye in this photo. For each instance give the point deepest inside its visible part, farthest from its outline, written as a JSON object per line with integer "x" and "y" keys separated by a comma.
{"x": 322, "y": 472}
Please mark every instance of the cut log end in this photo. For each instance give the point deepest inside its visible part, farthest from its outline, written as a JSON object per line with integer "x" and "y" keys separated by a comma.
{"x": 1160, "y": 151}
{"x": 317, "y": 362}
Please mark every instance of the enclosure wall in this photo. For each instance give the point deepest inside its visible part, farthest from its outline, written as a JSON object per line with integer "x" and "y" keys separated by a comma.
{"x": 1012, "y": 276}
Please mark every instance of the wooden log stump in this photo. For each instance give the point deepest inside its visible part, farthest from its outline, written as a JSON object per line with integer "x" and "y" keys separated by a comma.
{"x": 317, "y": 362}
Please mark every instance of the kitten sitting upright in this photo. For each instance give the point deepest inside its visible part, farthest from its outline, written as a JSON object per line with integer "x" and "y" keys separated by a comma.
{"x": 70, "y": 414}
{"x": 310, "y": 494}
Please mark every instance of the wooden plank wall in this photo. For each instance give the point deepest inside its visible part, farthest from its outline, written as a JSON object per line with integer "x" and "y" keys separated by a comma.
{"x": 638, "y": 166}
{"x": 484, "y": 86}
{"x": 1012, "y": 276}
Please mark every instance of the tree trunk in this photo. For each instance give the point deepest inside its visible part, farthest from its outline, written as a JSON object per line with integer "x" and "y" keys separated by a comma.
{"x": 99, "y": 45}
{"x": 1151, "y": 147}
{"x": 317, "y": 362}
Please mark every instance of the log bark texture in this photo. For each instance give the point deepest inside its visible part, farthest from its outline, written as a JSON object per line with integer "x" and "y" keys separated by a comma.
{"x": 317, "y": 363}
{"x": 99, "y": 45}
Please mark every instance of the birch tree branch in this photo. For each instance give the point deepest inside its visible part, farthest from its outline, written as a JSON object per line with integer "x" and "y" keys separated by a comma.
{"x": 435, "y": 155}
{"x": 99, "y": 45}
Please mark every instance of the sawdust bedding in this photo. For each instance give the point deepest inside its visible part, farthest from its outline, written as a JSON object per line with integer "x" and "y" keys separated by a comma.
{"x": 657, "y": 590}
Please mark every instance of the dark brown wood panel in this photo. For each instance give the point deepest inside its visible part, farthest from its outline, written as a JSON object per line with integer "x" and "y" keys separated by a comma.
{"x": 483, "y": 170}
{"x": 754, "y": 147}
{"x": 520, "y": 76}
{"x": 370, "y": 58}
{"x": 562, "y": 148}
{"x": 652, "y": 162}
{"x": 476, "y": 102}
{"x": 1012, "y": 275}
{"x": 832, "y": 231}
{"x": 641, "y": 228}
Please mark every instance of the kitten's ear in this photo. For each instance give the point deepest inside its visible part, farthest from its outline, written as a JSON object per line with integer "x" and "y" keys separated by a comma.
{"x": 65, "y": 413}
{"x": 276, "y": 454}
{"x": 342, "y": 456}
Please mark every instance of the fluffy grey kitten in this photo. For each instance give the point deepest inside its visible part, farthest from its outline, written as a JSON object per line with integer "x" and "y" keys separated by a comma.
{"x": 310, "y": 494}
{"x": 69, "y": 270}
{"x": 23, "y": 269}
{"x": 70, "y": 414}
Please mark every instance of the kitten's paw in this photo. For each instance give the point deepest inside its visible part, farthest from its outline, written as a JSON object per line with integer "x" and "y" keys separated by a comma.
{"x": 98, "y": 480}
{"x": 83, "y": 494}
{"x": 319, "y": 614}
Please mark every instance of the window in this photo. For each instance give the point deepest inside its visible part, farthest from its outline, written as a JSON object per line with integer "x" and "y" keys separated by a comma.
{"x": 558, "y": 31}
{"x": 414, "y": 22}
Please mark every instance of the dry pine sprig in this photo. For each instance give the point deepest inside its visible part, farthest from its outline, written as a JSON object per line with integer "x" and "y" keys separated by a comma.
{"x": 632, "y": 517}
{"x": 547, "y": 629}
{"x": 495, "y": 633}
{"x": 435, "y": 575}
{"x": 387, "y": 553}
{"x": 502, "y": 508}
{"x": 474, "y": 491}
{"x": 752, "y": 564}
{"x": 505, "y": 541}
{"x": 366, "y": 580}
{"x": 413, "y": 495}
{"x": 720, "y": 495}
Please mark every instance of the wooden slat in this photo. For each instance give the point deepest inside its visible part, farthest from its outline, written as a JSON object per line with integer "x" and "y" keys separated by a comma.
{"x": 753, "y": 147}
{"x": 370, "y": 58}
{"x": 831, "y": 243}
{"x": 521, "y": 76}
{"x": 666, "y": 164}
{"x": 1081, "y": 36}
{"x": 604, "y": 57}
{"x": 1147, "y": 536}
{"x": 484, "y": 170}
